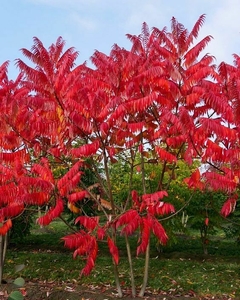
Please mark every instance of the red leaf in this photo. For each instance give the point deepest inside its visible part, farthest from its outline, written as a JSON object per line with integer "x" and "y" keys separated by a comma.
{"x": 224, "y": 182}
{"x": 74, "y": 197}
{"x": 195, "y": 180}
{"x": 36, "y": 198}
{"x": 118, "y": 113}
{"x": 154, "y": 197}
{"x": 8, "y": 192}
{"x": 85, "y": 245}
{"x": 70, "y": 184}
{"x": 150, "y": 201}
{"x": 112, "y": 151}
{"x": 140, "y": 148}
{"x": 53, "y": 213}
{"x": 86, "y": 150}
{"x": 135, "y": 198}
{"x": 11, "y": 210}
{"x": 90, "y": 223}
{"x": 92, "y": 255}
{"x": 163, "y": 208}
{"x": 136, "y": 127}
{"x": 12, "y": 157}
{"x": 131, "y": 220}
{"x": 216, "y": 126}
{"x": 70, "y": 179}
{"x": 228, "y": 207}
{"x": 176, "y": 141}
{"x": 81, "y": 122}
{"x": 73, "y": 241}
{"x": 126, "y": 217}
{"x": 141, "y": 104}
{"x": 81, "y": 250}
{"x": 165, "y": 155}
{"x": 5, "y": 227}
{"x": 101, "y": 233}
{"x": 43, "y": 170}
{"x": 145, "y": 237}
{"x": 36, "y": 184}
{"x": 113, "y": 250}
{"x": 104, "y": 128}
{"x": 159, "y": 231}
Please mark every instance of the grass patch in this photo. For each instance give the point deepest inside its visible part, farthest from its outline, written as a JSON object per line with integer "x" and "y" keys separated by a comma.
{"x": 178, "y": 269}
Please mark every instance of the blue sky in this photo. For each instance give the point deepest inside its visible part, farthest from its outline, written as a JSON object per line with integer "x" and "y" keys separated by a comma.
{"x": 98, "y": 24}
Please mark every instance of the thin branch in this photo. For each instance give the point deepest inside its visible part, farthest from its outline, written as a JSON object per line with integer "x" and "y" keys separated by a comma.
{"x": 68, "y": 225}
{"x": 178, "y": 211}
{"x": 95, "y": 199}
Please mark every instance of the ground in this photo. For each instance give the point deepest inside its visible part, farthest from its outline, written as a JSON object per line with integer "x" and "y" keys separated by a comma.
{"x": 53, "y": 291}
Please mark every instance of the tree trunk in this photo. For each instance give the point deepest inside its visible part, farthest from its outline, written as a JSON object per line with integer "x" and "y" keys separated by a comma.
{"x": 116, "y": 274}
{"x": 130, "y": 267}
{"x": 117, "y": 281}
{"x": 1, "y": 257}
{"x": 204, "y": 239}
{"x": 3, "y": 250}
{"x": 146, "y": 268}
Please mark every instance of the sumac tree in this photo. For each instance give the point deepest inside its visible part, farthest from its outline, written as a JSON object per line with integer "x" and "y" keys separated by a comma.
{"x": 161, "y": 102}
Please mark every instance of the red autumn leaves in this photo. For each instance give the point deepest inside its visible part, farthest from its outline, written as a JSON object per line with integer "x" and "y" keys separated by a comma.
{"x": 140, "y": 220}
{"x": 157, "y": 95}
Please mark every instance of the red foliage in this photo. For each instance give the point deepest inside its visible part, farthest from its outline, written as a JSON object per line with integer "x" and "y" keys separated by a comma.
{"x": 43, "y": 170}
{"x": 130, "y": 220}
{"x": 11, "y": 210}
{"x": 134, "y": 219}
{"x": 84, "y": 245}
{"x": 149, "y": 201}
{"x": 195, "y": 180}
{"x": 145, "y": 234}
{"x": 135, "y": 198}
{"x": 78, "y": 196}
{"x": 52, "y": 214}
{"x": 90, "y": 223}
{"x": 11, "y": 158}
{"x": 159, "y": 231}
{"x": 100, "y": 233}
{"x": 70, "y": 180}
{"x": 86, "y": 150}
{"x": 224, "y": 182}
{"x": 228, "y": 207}
{"x": 163, "y": 208}
{"x": 75, "y": 240}
{"x": 157, "y": 95}
{"x": 7, "y": 225}
{"x": 113, "y": 250}
{"x": 91, "y": 257}
{"x": 165, "y": 155}
{"x": 35, "y": 198}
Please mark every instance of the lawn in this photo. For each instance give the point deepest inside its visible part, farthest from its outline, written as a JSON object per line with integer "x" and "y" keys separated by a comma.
{"x": 178, "y": 270}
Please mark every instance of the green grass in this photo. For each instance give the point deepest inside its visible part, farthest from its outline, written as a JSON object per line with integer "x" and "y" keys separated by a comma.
{"x": 178, "y": 269}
